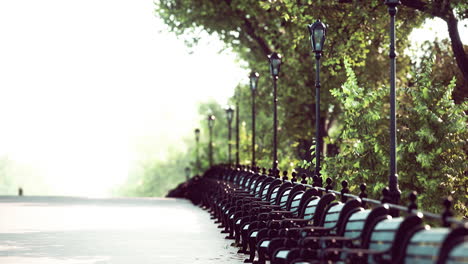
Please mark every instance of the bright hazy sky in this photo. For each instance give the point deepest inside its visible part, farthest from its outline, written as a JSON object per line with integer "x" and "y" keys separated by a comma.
{"x": 88, "y": 88}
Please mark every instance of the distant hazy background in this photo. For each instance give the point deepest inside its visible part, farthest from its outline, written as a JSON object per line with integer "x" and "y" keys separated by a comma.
{"x": 91, "y": 90}
{"x": 88, "y": 89}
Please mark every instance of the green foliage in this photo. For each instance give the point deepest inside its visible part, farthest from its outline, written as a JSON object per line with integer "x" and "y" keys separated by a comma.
{"x": 14, "y": 175}
{"x": 440, "y": 56}
{"x": 363, "y": 140}
{"x": 432, "y": 142}
{"x": 433, "y": 145}
{"x": 256, "y": 28}
{"x": 432, "y": 129}
{"x": 156, "y": 178}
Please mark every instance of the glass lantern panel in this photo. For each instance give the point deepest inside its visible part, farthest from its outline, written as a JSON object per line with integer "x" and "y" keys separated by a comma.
{"x": 276, "y": 63}
{"x": 253, "y": 83}
{"x": 318, "y": 36}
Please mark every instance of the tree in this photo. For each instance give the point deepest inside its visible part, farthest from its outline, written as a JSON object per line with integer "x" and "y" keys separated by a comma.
{"x": 432, "y": 140}
{"x": 354, "y": 105}
{"x": 256, "y": 28}
{"x": 450, "y": 11}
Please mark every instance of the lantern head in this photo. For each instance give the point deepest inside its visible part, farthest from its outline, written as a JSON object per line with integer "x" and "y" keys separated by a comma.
{"x": 275, "y": 64}
{"x": 197, "y": 134}
{"x": 253, "y": 81}
{"x": 211, "y": 119}
{"x": 229, "y": 113}
{"x": 317, "y": 35}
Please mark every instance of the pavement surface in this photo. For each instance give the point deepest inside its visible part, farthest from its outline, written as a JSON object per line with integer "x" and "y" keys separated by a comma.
{"x": 70, "y": 230}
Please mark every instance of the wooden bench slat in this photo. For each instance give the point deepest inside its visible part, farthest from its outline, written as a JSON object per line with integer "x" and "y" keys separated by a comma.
{"x": 424, "y": 246}
{"x": 459, "y": 254}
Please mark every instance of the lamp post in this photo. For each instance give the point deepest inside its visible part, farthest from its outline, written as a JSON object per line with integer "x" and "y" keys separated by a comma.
{"x": 187, "y": 173}
{"x": 211, "y": 119}
{"x": 275, "y": 64}
{"x": 237, "y": 125}
{"x": 395, "y": 193}
{"x": 253, "y": 87}
{"x": 197, "y": 140}
{"x": 229, "y": 116}
{"x": 317, "y": 39}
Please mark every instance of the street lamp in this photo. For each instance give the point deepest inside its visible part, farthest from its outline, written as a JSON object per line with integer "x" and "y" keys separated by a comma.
{"x": 317, "y": 39}
{"x": 229, "y": 116}
{"x": 253, "y": 87}
{"x": 187, "y": 173}
{"x": 237, "y": 95}
{"x": 275, "y": 64}
{"x": 197, "y": 140}
{"x": 211, "y": 119}
{"x": 394, "y": 191}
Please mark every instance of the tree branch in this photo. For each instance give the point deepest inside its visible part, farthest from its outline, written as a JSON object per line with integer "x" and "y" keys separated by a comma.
{"x": 249, "y": 29}
{"x": 444, "y": 11}
{"x": 457, "y": 46}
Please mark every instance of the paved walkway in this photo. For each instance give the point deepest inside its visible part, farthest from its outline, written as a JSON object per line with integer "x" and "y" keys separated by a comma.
{"x": 70, "y": 230}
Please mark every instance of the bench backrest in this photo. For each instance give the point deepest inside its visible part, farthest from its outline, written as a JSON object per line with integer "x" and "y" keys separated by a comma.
{"x": 424, "y": 246}
{"x": 459, "y": 254}
{"x": 264, "y": 188}
{"x": 274, "y": 194}
{"x": 360, "y": 220}
{"x": 249, "y": 181}
{"x": 294, "y": 198}
{"x": 239, "y": 178}
{"x": 355, "y": 223}
{"x": 310, "y": 206}
{"x": 388, "y": 235}
{"x": 332, "y": 214}
{"x": 455, "y": 247}
{"x": 245, "y": 180}
{"x": 283, "y": 194}
{"x": 294, "y": 203}
{"x": 284, "y": 199}
{"x": 322, "y": 205}
{"x": 271, "y": 188}
{"x": 258, "y": 186}
{"x": 305, "y": 199}
{"x": 252, "y": 184}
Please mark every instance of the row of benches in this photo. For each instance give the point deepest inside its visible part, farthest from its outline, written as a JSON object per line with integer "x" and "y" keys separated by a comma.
{"x": 283, "y": 221}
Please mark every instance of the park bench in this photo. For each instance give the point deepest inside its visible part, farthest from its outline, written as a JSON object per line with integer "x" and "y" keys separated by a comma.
{"x": 428, "y": 245}
{"x": 344, "y": 219}
{"x": 238, "y": 204}
{"x": 280, "y": 221}
{"x": 265, "y": 212}
{"x": 296, "y": 206}
{"x": 316, "y": 211}
{"x": 291, "y": 206}
{"x": 392, "y": 240}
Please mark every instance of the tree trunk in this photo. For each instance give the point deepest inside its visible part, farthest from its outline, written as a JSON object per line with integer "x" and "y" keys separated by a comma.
{"x": 457, "y": 46}
{"x": 444, "y": 11}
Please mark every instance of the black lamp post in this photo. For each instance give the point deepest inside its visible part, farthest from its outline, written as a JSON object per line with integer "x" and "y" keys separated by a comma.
{"x": 211, "y": 119}
{"x": 317, "y": 39}
{"x": 187, "y": 173}
{"x": 395, "y": 193}
{"x": 237, "y": 125}
{"x": 197, "y": 140}
{"x": 275, "y": 64}
{"x": 229, "y": 116}
{"x": 253, "y": 87}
